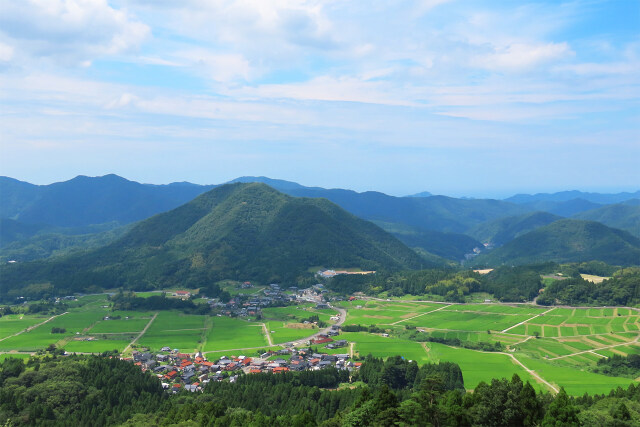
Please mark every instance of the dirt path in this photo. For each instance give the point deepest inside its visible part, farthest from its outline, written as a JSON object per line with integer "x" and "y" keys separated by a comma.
{"x": 267, "y": 334}
{"x": 351, "y": 346}
{"x": 140, "y": 334}
{"x": 421, "y": 314}
{"x": 599, "y": 348}
{"x": 34, "y": 326}
{"x": 533, "y": 373}
{"x": 537, "y": 315}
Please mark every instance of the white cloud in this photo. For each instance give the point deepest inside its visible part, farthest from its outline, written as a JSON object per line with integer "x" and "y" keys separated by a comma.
{"x": 6, "y": 52}
{"x": 70, "y": 30}
{"x": 522, "y": 56}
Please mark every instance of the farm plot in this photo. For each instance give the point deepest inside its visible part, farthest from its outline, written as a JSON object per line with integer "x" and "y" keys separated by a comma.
{"x": 282, "y": 332}
{"x": 14, "y": 323}
{"x": 224, "y": 333}
{"x": 175, "y": 330}
{"x": 472, "y": 321}
{"x": 75, "y": 322}
{"x": 574, "y": 381}
{"x": 96, "y": 346}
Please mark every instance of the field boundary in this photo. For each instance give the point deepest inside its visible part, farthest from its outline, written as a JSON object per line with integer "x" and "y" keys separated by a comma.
{"x": 140, "y": 334}
{"x": 267, "y": 334}
{"x": 537, "y": 315}
{"x": 30, "y": 328}
{"x": 596, "y": 349}
{"x": 418, "y": 315}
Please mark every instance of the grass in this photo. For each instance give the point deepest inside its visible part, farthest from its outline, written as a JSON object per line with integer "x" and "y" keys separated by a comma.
{"x": 14, "y": 323}
{"x": 175, "y": 330}
{"x": 224, "y": 333}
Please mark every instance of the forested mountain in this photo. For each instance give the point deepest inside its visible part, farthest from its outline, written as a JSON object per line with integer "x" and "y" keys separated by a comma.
{"x": 623, "y": 216}
{"x": 90, "y": 200}
{"x": 503, "y": 230}
{"x": 452, "y": 246}
{"x": 439, "y": 213}
{"x": 235, "y": 231}
{"x": 563, "y": 196}
{"x": 567, "y": 240}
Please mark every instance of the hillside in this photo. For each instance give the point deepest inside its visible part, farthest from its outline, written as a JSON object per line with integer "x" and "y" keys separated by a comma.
{"x": 439, "y": 213}
{"x": 567, "y": 240}
{"x": 503, "y": 230}
{"x": 623, "y": 216}
{"x": 235, "y": 231}
{"x": 451, "y": 246}
{"x": 90, "y": 200}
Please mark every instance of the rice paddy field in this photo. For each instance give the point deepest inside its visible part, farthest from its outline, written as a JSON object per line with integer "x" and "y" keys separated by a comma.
{"x": 559, "y": 345}
{"x": 550, "y": 347}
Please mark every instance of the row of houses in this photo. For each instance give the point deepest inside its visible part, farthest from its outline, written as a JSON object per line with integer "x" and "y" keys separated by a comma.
{"x": 181, "y": 371}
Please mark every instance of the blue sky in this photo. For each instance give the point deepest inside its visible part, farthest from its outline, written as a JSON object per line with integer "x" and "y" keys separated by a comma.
{"x": 480, "y": 98}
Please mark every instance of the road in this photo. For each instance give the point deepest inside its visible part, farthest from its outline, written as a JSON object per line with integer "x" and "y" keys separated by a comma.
{"x": 34, "y": 326}
{"x": 140, "y": 334}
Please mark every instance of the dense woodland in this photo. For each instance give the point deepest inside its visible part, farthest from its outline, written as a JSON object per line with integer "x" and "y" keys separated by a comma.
{"x": 623, "y": 289}
{"x": 97, "y": 391}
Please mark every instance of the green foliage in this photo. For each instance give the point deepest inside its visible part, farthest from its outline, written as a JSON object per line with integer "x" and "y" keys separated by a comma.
{"x": 619, "y": 366}
{"x": 238, "y": 231}
{"x": 623, "y": 216}
{"x": 567, "y": 240}
{"x": 503, "y": 230}
{"x": 622, "y": 289}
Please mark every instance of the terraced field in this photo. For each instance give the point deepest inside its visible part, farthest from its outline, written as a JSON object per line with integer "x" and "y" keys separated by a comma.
{"x": 558, "y": 344}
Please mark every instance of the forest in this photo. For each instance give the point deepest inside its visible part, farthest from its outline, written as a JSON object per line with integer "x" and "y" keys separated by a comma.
{"x": 101, "y": 391}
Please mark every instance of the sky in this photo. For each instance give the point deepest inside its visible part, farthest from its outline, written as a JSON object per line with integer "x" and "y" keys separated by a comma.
{"x": 460, "y": 97}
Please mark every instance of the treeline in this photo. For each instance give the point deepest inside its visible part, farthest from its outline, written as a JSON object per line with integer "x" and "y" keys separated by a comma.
{"x": 619, "y": 366}
{"x": 509, "y": 284}
{"x": 454, "y": 342}
{"x": 129, "y": 301}
{"x": 99, "y": 391}
{"x": 622, "y": 289}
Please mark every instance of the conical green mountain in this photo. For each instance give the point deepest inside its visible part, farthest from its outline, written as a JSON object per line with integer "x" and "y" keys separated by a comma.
{"x": 568, "y": 240}
{"x": 235, "y": 231}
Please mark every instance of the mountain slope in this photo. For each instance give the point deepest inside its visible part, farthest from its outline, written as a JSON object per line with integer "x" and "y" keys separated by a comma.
{"x": 501, "y": 231}
{"x": 623, "y": 216}
{"x": 567, "y": 240}
{"x": 90, "y": 200}
{"x": 439, "y": 213}
{"x": 236, "y": 231}
{"x": 451, "y": 246}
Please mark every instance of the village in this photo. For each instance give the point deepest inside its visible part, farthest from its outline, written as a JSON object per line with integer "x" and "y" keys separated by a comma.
{"x": 192, "y": 372}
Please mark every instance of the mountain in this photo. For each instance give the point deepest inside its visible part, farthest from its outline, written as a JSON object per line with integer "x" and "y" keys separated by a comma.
{"x": 439, "y": 213}
{"x": 90, "y": 200}
{"x": 235, "y": 231}
{"x": 563, "y": 196}
{"x": 563, "y": 208}
{"x": 421, "y": 194}
{"x": 623, "y": 216}
{"x": 567, "y": 240}
{"x": 500, "y": 231}
{"x": 451, "y": 246}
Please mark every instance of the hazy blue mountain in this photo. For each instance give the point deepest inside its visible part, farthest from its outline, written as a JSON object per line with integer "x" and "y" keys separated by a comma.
{"x": 567, "y": 240}
{"x": 91, "y": 200}
{"x": 562, "y": 208}
{"x": 500, "y": 231}
{"x": 622, "y": 216}
{"x": 563, "y": 196}
{"x": 235, "y": 231}
{"x": 421, "y": 194}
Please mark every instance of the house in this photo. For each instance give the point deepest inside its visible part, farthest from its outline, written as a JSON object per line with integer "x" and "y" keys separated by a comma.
{"x": 165, "y": 349}
{"x": 182, "y": 294}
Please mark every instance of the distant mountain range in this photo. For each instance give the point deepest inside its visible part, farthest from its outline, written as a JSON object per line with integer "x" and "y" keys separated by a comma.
{"x": 37, "y": 221}
{"x": 235, "y": 231}
{"x": 86, "y": 200}
{"x": 564, "y": 196}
